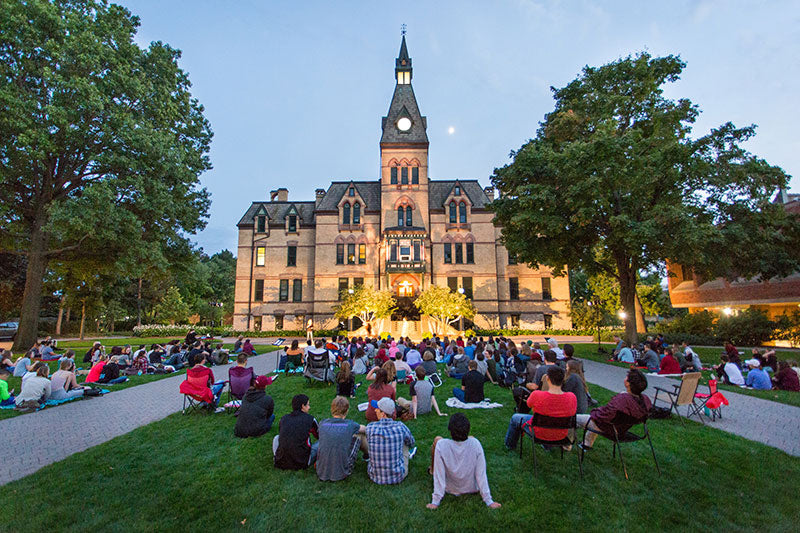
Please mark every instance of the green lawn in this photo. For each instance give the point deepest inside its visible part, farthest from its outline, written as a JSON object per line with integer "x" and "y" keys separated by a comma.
{"x": 707, "y": 356}
{"x": 191, "y": 473}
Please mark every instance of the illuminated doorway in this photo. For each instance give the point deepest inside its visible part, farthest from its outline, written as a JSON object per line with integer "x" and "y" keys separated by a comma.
{"x": 405, "y": 289}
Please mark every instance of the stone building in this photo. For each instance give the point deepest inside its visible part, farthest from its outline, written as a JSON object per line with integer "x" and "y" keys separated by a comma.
{"x": 403, "y": 231}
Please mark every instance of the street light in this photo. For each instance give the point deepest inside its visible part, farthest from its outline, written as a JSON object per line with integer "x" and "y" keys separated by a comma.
{"x": 728, "y": 311}
{"x": 596, "y": 315}
{"x": 623, "y": 315}
{"x": 461, "y": 290}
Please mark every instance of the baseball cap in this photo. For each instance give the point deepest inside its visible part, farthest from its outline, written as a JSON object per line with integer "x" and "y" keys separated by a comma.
{"x": 752, "y": 362}
{"x": 384, "y": 404}
{"x": 262, "y": 382}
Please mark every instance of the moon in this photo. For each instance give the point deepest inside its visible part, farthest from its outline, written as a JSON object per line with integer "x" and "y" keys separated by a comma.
{"x": 451, "y": 130}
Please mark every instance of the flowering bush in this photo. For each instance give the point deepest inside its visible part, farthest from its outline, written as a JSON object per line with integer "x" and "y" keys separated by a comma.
{"x": 159, "y": 330}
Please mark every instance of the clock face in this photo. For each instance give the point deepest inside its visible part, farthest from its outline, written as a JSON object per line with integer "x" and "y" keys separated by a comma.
{"x": 404, "y": 124}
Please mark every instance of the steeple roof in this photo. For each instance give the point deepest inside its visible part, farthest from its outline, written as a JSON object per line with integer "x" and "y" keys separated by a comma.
{"x": 404, "y": 105}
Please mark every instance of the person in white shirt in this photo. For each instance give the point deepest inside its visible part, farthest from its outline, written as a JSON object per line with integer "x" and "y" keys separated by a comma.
{"x": 459, "y": 465}
{"x": 729, "y": 372}
{"x": 625, "y": 354}
{"x": 35, "y": 388}
{"x": 553, "y": 343}
{"x": 692, "y": 357}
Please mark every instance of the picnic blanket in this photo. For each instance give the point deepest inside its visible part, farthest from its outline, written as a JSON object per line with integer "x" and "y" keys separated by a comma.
{"x": 457, "y": 404}
{"x": 51, "y": 403}
{"x": 363, "y": 406}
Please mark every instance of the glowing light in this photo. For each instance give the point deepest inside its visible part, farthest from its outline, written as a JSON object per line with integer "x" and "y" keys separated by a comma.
{"x": 623, "y": 315}
{"x": 404, "y": 124}
{"x": 461, "y": 290}
{"x": 728, "y": 311}
{"x": 451, "y": 130}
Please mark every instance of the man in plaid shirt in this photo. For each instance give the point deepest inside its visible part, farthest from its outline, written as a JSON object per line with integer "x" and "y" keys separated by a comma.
{"x": 389, "y": 442}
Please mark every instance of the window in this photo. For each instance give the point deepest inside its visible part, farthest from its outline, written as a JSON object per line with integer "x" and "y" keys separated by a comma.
{"x": 513, "y": 288}
{"x": 256, "y": 323}
{"x": 400, "y": 215}
{"x": 470, "y": 253}
{"x": 408, "y": 216}
{"x": 297, "y": 290}
{"x": 261, "y": 256}
{"x": 351, "y": 192}
{"x": 261, "y": 224}
{"x": 342, "y": 288}
{"x": 292, "y": 222}
{"x": 467, "y": 284}
{"x": 346, "y": 214}
{"x": 351, "y": 254}
{"x": 546, "y": 294}
{"x": 686, "y": 273}
{"x": 340, "y": 254}
{"x": 404, "y": 175}
{"x": 462, "y": 213}
{"x": 452, "y": 212}
{"x": 448, "y": 252}
{"x": 405, "y": 252}
{"x": 258, "y": 294}
{"x": 415, "y": 175}
{"x": 358, "y": 282}
{"x": 416, "y": 250}
{"x": 457, "y": 190}
{"x": 357, "y": 213}
{"x": 548, "y": 321}
{"x": 514, "y": 321}
{"x": 452, "y": 284}
{"x": 283, "y": 293}
{"x": 362, "y": 254}
{"x": 393, "y": 252}
{"x": 278, "y": 321}
{"x": 459, "y": 253}
{"x": 393, "y": 171}
{"x": 512, "y": 259}
{"x": 291, "y": 256}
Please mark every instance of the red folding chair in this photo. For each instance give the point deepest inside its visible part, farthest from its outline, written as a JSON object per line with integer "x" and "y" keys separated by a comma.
{"x": 713, "y": 401}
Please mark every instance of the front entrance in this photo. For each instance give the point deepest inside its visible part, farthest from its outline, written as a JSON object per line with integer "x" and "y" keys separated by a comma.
{"x": 405, "y": 309}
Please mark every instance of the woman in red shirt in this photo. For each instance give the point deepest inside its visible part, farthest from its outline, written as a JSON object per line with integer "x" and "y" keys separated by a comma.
{"x": 97, "y": 369}
{"x": 669, "y": 365}
{"x": 376, "y": 391}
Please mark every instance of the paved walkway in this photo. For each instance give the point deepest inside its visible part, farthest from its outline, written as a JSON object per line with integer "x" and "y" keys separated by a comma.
{"x": 38, "y": 439}
{"x": 772, "y": 423}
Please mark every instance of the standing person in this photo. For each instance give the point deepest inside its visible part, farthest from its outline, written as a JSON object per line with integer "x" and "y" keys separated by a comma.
{"x": 310, "y": 330}
{"x": 459, "y": 465}
{"x": 292, "y": 445}
{"x": 339, "y": 442}
{"x": 471, "y": 390}
{"x": 257, "y": 412}
{"x": 390, "y": 445}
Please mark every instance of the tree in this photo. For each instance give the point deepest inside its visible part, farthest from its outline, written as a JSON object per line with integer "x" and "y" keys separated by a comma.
{"x": 366, "y": 303}
{"x": 444, "y": 307}
{"x": 172, "y": 309}
{"x": 101, "y": 142}
{"x": 613, "y": 183}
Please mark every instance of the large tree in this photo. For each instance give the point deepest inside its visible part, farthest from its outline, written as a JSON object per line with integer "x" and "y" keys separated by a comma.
{"x": 444, "y": 307}
{"x": 101, "y": 142}
{"x": 366, "y": 303}
{"x": 614, "y": 183}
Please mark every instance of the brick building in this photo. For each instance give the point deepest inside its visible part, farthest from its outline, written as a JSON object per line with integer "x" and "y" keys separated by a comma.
{"x": 402, "y": 231}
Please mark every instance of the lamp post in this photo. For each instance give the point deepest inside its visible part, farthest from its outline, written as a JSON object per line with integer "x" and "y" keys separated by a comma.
{"x": 594, "y": 308}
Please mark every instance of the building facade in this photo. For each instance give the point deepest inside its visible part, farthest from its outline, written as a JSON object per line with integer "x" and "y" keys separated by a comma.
{"x": 403, "y": 232}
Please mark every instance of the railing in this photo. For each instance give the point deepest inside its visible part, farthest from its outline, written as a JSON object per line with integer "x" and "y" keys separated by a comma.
{"x": 405, "y": 266}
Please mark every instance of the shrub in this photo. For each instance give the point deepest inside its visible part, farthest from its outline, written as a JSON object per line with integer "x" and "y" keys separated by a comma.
{"x": 701, "y": 323}
{"x": 788, "y": 328}
{"x": 751, "y": 327}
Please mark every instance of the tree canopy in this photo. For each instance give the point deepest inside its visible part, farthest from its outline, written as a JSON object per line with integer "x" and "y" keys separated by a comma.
{"x": 366, "y": 303}
{"x": 444, "y": 307}
{"x": 614, "y": 183}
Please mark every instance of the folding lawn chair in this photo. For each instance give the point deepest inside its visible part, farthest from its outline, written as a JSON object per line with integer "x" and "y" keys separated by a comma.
{"x": 618, "y": 437}
{"x": 239, "y": 380}
{"x": 684, "y": 394}
{"x": 318, "y": 367}
{"x": 435, "y": 380}
{"x": 713, "y": 401}
{"x": 194, "y": 397}
{"x": 540, "y": 421}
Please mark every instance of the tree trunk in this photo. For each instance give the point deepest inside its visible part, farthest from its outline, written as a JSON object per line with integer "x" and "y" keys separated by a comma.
{"x": 83, "y": 318}
{"x": 641, "y": 325}
{"x": 139, "y": 304}
{"x": 627, "y": 295}
{"x": 60, "y": 313}
{"x": 32, "y": 296}
{"x": 69, "y": 312}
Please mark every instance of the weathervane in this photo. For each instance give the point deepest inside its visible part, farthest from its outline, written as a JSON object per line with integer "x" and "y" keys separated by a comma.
{"x": 402, "y": 29}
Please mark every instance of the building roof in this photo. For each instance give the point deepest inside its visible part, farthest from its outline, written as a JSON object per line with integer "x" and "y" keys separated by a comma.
{"x": 404, "y": 104}
{"x": 276, "y": 211}
{"x": 370, "y": 192}
{"x": 441, "y": 189}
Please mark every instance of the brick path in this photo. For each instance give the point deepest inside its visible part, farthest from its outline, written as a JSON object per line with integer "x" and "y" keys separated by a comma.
{"x": 38, "y": 439}
{"x": 772, "y": 423}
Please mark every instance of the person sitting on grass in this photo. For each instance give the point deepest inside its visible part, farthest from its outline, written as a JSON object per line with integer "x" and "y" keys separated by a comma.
{"x": 379, "y": 389}
{"x": 471, "y": 390}
{"x": 96, "y": 370}
{"x": 23, "y": 365}
{"x": 422, "y": 398}
{"x": 458, "y": 465}
{"x": 400, "y": 365}
{"x": 669, "y": 365}
{"x": 786, "y": 378}
{"x": 64, "y": 384}
{"x": 339, "y": 442}
{"x": 219, "y": 355}
{"x": 632, "y": 403}
{"x": 110, "y": 373}
{"x": 6, "y": 360}
{"x": 768, "y": 360}
{"x": 626, "y": 354}
{"x": 551, "y": 402}
{"x": 36, "y": 389}
{"x": 6, "y": 396}
{"x": 729, "y": 372}
{"x": 292, "y": 446}
{"x": 458, "y": 364}
{"x": 390, "y": 445}
{"x": 693, "y": 362}
{"x": 139, "y": 365}
{"x": 360, "y": 362}
{"x": 413, "y": 357}
{"x": 47, "y": 353}
{"x": 257, "y": 413}
{"x": 429, "y": 362}
{"x": 650, "y": 358}
{"x": 757, "y": 377}
{"x": 248, "y": 348}
{"x": 733, "y": 354}
{"x": 200, "y": 383}
{"x": 345, "y": 381}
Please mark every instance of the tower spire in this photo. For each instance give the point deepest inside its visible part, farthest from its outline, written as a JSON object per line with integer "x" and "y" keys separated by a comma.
{"x": 402, "y": 65}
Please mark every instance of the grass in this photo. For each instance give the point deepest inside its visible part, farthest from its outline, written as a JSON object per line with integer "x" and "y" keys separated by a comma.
{"x": 191, "y": 473}
{"x": 708, "y": 356}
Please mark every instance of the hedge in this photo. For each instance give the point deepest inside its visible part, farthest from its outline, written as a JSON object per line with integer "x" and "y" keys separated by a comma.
{"x": 179, "y": 330}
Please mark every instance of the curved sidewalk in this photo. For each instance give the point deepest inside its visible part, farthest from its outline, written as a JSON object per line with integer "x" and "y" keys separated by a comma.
{"x": 41, "y": 438}
{"x": 771, "y": 423}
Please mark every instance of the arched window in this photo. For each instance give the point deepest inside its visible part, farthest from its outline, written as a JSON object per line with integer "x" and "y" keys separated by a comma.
{"x": 400, "y": 215}
{"x": 452, "y": 212}
{"x": 462, "y": 213}
{"x": 408, "y": 216}
{"x": 346, "y": 214}
{"x": 357, "y": 213}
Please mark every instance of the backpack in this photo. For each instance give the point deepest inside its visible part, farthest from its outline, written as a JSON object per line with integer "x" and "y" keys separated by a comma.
{"x": 660, "y": 412}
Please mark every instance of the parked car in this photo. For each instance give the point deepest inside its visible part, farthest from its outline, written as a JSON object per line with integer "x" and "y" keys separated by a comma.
{"x": 8, "y": 330}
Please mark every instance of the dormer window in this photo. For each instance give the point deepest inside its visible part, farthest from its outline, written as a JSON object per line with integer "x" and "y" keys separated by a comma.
{"x": 261, "y": 224}
{"x": 292, "y": 223}
{"x": 462, "y": 213}
{"x": 453, "y": 213}
{"x": 457, "y": 190}
{"x": 346, "y": 214}
{"x": 352, "y": 191}
{"x": 356, "y": 213}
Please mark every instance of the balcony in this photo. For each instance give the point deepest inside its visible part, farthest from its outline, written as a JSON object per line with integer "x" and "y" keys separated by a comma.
{"x": 393, "y": 267}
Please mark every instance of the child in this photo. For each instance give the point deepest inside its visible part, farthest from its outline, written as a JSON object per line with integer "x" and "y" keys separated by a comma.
{"x": 6, "y": 396}
{"x": 345, "y": 382}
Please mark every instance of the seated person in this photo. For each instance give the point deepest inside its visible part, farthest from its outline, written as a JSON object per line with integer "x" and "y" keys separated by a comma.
{"x": 110, "y": 373}
{"x": 459, "y": 465}
{"x": 768, "y": 360}
{"x": 69, "y": 354}
{"x": 292, "y": 445}
{"x": 64, "y": 384}
{"x": 294, "y": 355}
{"x": 93, "y": 353}
{"x": 6, "y": 396}
{"x": 619, "y": 344}
{"x": 729, "y": 372}
{"x": 669, "y": 365}
{"x": 241, "y": 369}
{"x": 360, "y": 362}
{"x": 650, "y": 358}
{"x": 23, "y": 365}
{"x": 575, "y": 382}
{"x": 140, "y": 364}
{"x": 429, "y": 362}
{"x": 693, "y": 362}
{"x": 400, "y": 365}
{"x": 458, "y": 364}
{"x": 200, "y": 384}
{"x": 551, "y": 402}
{"x": 625, "y": 354}
{"x": 248, "y": 348}
{"x": 219, "y": 355}
{"x": 345, "y": 381}
{"x": 733, "y": 354}
{"x": 541, "y": 370}
{"x": 422, "y": 398}
{"x": 786, "y": 378}
{"x": 413, "y": 357}
{"x": 123, "y": 359}
{"x": 471, "y": 390}
{"x": 483, "y": 366}
{"x": 47, "y": 352}
{"x": 632, "y": 403}
{"x": 257, "y": 413}
{"x": 36, "y": 389}
{"x": 757, "y": 377}
{"x": 157, "y": 352}
{"x": 96, "y": 370}
{"x": 389, "y": 443}
{"x": 339, "y": 442}
{"x": 379, "y": 389}
{"x": 6, "y": 361}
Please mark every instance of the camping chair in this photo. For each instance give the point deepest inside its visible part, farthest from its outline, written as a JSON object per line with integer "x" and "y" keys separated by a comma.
{"x": 193, "y": 402}
{"x": 714, "y": 407}
{"x": 684, "y": 394}
{"x": 435, "y": 380}
{"x": 401, "y": 376}
{"x": 623, "y": 419}
{"x": 238, "y": 383}
{"x": 318, "y": 368}
{"x": 548, "y": 422}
